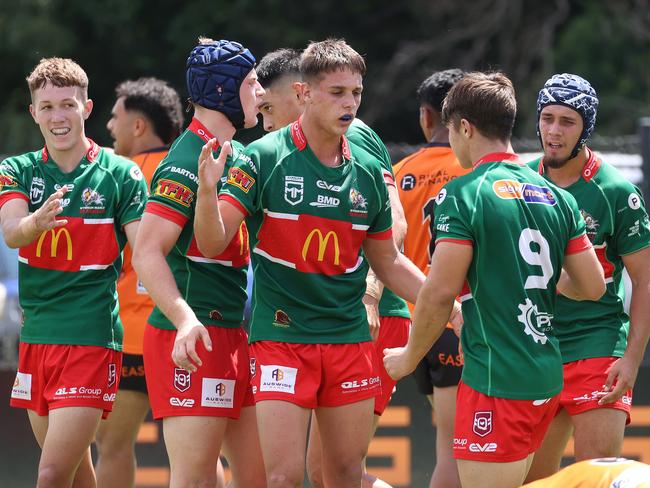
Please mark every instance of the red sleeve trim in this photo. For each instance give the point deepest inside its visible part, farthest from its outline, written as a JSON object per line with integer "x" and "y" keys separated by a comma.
{"x": 463, "y": 242}
{"x": 578, "y": 244}
{"x": 11, "y": 196}
{"x": 235, "y": 203}
{"x": 387, "y": 234}
{"x": 166, "y": 213}
{"x": 388, "y": 179}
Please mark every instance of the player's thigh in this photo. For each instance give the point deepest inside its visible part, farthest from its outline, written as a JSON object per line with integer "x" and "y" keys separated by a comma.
{"x": 478, "y": 474}
{"x": 548, "y": 457}
{"x": 69, "y": 433}
{"x": 599, "y": 433}
{"x": 121, "y": 427}
{"x": 444, "y": 406}
{"x": 193, "y": 443}
{"x": 39, "y": 425}
{"x": 283, "y": 435}
{"x": 241, "y": 446}
{"x": 345, "y": 431}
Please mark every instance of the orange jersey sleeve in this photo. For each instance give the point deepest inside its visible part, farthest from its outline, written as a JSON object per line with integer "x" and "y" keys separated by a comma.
{"x": 135, "y": 304}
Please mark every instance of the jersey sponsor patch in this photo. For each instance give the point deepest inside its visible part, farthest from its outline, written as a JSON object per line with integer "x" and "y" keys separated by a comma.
{"x": 529, "y": 193}
{"x": 174, "y": 191}
{"x": 441, "y": 196}
{"x": 408, "y": 182}
{"x": 536, "y": 323}
{"x": 22, "y": 389}
{"x": 7, "y": 181}
{"x": 135, "y": 173}
{"x": 278, "y": 378}
{"x": 634, "y": 201}
{"x": 239, "y": 178}
{"x": 217, "y": 393}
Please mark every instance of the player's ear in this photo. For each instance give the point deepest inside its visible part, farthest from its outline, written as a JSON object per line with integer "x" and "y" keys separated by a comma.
{"x": 466, "y": 128}
{"x": 32, "y": 111}
{"x": 304, "y": 90}
{"x": 139, "y": 126}
{"x": 87, "y": 108}
{"x": 297, "y": 87}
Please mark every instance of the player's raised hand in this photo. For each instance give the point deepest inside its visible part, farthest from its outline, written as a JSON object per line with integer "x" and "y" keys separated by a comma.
{"x": 210, "y": 169}
{"x": 398, "y": 363}
{"x": 44, "y": 218}
{"x": 184, "y": 353}
{"x": 372, "y": 312}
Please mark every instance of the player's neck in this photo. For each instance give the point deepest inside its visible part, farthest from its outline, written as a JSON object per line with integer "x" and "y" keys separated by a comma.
{"x": 571, "y": 171}
{"x": 216, "y": 122}
{"x": 325, "y": 144}
{"x": 67, "y": 160}
{"x": 439, "y": 135}
{"x": 146, "y": 143}
{"x": 485, "y": 146}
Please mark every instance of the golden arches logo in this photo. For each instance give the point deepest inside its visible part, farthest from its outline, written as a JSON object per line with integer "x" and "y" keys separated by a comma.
{"x": 55, "y": 236}
{"x": 322, "y": 245}
{"x": 243, "y": 239}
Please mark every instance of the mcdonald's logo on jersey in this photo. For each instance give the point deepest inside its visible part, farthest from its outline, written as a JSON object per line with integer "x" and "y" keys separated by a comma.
{"x": 55, "y": 235}
{"x": 174, "y": 191}
{"x": 323, "y": 241}
{"x": 239, "y": 178}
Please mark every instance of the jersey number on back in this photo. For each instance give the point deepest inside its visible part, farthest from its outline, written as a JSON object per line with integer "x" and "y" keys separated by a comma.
{"x": 428, "y": 214}
{"x": 539, "y": 255}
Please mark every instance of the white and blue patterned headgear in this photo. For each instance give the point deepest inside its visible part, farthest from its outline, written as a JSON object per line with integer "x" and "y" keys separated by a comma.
{"x": 574, "y": 92}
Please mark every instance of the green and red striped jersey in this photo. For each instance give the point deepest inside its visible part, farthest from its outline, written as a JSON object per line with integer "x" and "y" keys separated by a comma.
{"x": 520, "y": 228}
{"x": 213, "y": 286}
{"x": 307, "y": 222}
{"x": 617, "y": 224}
{"x": 67, "y": 276}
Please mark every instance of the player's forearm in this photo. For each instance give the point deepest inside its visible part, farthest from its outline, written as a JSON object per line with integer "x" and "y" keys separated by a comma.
{"x": 432, "y": 311}
{"x": 374, "y": 286}
{"x": 209, "y": 231}
{"x": 402, "y": 277}
{"x": 20, "y": 231}
{"x": 154, "y": 273}
{"x": 639, "y": 320}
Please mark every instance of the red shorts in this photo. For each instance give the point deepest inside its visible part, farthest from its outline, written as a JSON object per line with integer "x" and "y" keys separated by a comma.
{"x": 60, "y": 375}
{"x": 499, "y": 430}
{"x": 314, "y": 375}
{"x": 393, "y": 332}
{"x": 220, "y": 387}
{"x": 583, "y": 381}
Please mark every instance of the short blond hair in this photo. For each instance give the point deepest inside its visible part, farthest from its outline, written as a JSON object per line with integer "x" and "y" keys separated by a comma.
{"x": 60, "y": 72}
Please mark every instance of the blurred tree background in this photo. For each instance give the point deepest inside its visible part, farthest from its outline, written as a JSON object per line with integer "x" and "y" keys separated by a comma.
{"x": 403, "y": 41}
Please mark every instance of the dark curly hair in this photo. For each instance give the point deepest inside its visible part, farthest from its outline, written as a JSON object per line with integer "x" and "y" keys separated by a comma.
{"x": 434, "y": 89}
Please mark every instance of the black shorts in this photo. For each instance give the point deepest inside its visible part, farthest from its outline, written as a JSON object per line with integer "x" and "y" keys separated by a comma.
{"x": 133, "y": 377}
{"x": 441, "y": 367}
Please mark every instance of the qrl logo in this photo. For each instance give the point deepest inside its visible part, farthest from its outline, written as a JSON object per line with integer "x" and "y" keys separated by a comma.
{"x": 181, "y": 379}
{"x": 482, "y": 423}
{"x": 112, "y": 374}
{"x": 55, "y": 235}
{"x": 322, "y": 245}
{"x": 277, "y": 375}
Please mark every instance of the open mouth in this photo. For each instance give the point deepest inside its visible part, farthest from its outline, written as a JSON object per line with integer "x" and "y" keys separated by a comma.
{"x": 346, "y": 118}
{"x": 62, "y": 131}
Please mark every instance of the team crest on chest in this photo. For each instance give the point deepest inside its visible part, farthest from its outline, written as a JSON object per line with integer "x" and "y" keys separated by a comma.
{"x": 294, "y": 189}
{"x": 591, "y": 225}
{"x": 92, "y": 202}
{"x": 37, "y": 190}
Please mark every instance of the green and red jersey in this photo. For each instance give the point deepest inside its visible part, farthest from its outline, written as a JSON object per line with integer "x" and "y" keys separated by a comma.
{"x": 617, "y": 224}
{"x": 213, "y": 286}
{"x": 520, "y": 228}
{"x": 67, "y": 276}
{"x": 365, "y": 139}
{"x": 307, "y": 223}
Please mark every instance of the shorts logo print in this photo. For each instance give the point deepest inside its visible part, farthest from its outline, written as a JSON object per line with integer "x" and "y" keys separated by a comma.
{"x": 482, "y": 423}
{"x": 182, "y": 379}
{"x": 278, "y": 378}
{"x": 112, "y": 374}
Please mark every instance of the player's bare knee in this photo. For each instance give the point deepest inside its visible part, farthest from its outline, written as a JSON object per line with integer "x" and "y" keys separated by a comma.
{"x": 347, "y": 471}
{"x": 315, "y": 475}
{"x": 53, "y": 476}
{"x": 285, "y": 478}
